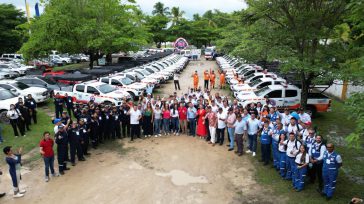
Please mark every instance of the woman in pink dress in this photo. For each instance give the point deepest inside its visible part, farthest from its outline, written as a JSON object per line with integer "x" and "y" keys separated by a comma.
{"x": 201, "y": 128}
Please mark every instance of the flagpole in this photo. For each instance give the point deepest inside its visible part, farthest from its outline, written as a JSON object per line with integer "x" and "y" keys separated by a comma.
{"x": 28, "y": 13}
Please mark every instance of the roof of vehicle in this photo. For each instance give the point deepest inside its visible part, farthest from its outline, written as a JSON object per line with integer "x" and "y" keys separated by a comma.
{"x": 281, "y": 87}
{"x": 92, "y": 83}
{"x": 272, "y": 79}
{"x": 7, "y": 81}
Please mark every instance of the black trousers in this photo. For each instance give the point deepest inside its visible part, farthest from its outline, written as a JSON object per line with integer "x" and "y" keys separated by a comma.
{"x": 176, "y": 85}
{"x": 34, "y": 115}
{"x": 208, "y": 138}
{"x": 316, "y": 170}
{"x": 135, "y": 131}
{"x": 265, "y": 148}
{"x": 206, "y": 84}
{"x": 58, "y": 110}
{"x": 15, "y": 124}
{"x": 125, "y": 126}
{"x": 117, "y": 130}
{"x": 75, "y": 147}
{"x": 61, "y": 157}
{"x": 85, "y": 144}
{"x": 220, "y": 135}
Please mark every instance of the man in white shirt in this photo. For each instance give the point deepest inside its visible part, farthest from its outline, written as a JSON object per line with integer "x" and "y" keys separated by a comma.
{"x": 135, "y": 116}
{"x": 285, "y": 118}
{"x": 304, "y": 117}
{"x": 214, "y": 107}
{"x": 240, "y": 129}
{"x": 293, "y": 127}
{"x": 221, "y": 125}
{"x": 293, "y": 146}
{"x": 176, "y": 81}
{"x": 253, "y": 126}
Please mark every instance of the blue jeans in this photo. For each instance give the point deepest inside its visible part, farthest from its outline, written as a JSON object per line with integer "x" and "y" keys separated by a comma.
{"x": 49, "y": 164}
{"x": 157, "y": 126}
{"x": 290, "y": 167}
{"x": 166, "y": 125}
{"x": 192, "y": 125}
{"x": 253, "y": 142}
{"x": 231, "y": 136}
{"x": 175, "y": 124}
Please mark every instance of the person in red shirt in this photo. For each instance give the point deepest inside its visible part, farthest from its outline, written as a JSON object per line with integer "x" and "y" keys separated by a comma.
{"x": 182, "y": 111}
{"x": 46, "y": 150}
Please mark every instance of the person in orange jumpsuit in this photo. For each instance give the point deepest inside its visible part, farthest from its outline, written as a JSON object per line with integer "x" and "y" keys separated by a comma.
{"x": 206, "y": 77}
{"x": 195, "y": 81}
{"x": 212, "y": 79}
{"x": 222, "y": 80}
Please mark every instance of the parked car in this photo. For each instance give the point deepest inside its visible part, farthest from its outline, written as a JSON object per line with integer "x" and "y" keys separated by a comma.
{"x": 20, "y": 89}
{"x": 134, "y": 89}
{"x": 14, "y": 68}
{"x": 6, "y": 98}
{"x": 98, "y": 92}
{"x": 40, "y": 81}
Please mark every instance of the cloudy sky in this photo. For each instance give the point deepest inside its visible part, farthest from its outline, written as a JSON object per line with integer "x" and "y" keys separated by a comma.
{"x": 189, "y": 6}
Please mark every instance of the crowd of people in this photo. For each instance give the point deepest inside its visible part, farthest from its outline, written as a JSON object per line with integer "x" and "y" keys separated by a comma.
{"x": 287, "y": 140}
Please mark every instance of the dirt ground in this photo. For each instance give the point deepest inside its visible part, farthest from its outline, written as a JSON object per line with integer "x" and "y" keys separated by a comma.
{"x": 170, "y": 169}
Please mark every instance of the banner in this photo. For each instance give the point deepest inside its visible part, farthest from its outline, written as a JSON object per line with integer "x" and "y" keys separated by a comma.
{"x": 37, "y": 9}
{"x": 27, "y": 10}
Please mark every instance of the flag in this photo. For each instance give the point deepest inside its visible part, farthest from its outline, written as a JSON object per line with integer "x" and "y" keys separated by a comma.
{"x": 37, "y": 10}
{"x": 27, "y": 10}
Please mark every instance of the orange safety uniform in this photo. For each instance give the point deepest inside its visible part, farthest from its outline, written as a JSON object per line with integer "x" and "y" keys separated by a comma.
{"x": 212, "y": 79}
{"x": 195, "y": 81}
{"x": 222, "y": 79}
{"x": 206, "y": 76}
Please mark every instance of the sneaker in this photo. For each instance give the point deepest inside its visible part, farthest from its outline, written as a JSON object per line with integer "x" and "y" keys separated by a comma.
{"x": 155, "y": 135}
{"x": 248, "y": 152}
{"x": 254, "y": 154}
{"x": 46, "y": 179}
{"x": 55, "y": 175}
{"x": 159, "y": 135}
{"x": 145, "y": 136}
{"x": 24, "y": 135}
{"x": 18, "y": 195}
{"x": 177, "y": 133}
{"x": 22, "y": 191}
{"x": 2, "y": 195}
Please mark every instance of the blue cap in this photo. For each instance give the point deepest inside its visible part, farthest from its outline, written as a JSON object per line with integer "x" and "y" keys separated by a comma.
{"x": 57, "y": 120}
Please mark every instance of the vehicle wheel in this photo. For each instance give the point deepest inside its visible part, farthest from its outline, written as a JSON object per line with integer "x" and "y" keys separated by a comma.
{"x": 42, "y": 68}
{"x": 311, "y": 110}
{"x": 3, "y": 117}
{"x": 108, "y": 103}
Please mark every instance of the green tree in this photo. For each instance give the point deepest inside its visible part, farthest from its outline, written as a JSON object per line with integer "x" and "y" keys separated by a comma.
{"x": 304, "y": 30}
{"x": 93, "y": 27}
{"x": 176, "y": 15}
{"x": 10, "y": 36}
{"x": 159, "y": 9}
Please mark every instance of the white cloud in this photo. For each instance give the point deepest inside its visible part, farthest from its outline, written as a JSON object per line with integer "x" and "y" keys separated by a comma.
{"x": 189, "y": 6}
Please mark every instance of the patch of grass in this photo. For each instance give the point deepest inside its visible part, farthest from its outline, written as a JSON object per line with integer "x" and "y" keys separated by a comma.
{"x": 334, "y": 126}
{"x": 82, "y": 65}
{"x": 32, "y": 138}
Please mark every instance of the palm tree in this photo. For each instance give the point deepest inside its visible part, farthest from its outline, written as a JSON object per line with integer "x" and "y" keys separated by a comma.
{"x": 176, "y": 15}
{"x": 159, "y": 9}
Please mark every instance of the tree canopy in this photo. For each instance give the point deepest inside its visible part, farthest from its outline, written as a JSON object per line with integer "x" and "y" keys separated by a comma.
{"x": 11, "y": 37}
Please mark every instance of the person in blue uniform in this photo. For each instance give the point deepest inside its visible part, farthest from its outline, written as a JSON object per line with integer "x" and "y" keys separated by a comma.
{"x": 265, "y": 141}
{"x": 277, "y": 132}
{"x": 14, "y": 162}
{"x": 31, "y": 104}
{"x": 69, "y": 104}
{"x": 316, "y": 153}
{"x": 84, "y": 132}
{"x": 331, "y": 163}
{"x": 282, "y": 149}
{"x": 75, "y": 141}
{"x": 301, "y": 161}
{"x": 58, "y": 104}
{"x": 61, "y": 138}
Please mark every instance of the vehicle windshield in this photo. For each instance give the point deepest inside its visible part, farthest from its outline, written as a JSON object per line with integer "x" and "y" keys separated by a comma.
{"x": 139, "y": 75}
{"x": 150, "y": 70}
{"x": 106, "y": 88}
{"x": 249, "y": 76}
{"x": 130, "y": 77}
{"x": 20, "y": 85}
{"x": 48, "y": 80}
{"x": 261, "y": 91}
{"x": 126, "y": 81}
{"x": 6, "y": 94}
{"x": 255, "y": 82}
{"x": 208, "y": 50}
{"x": 145, "y": 72}
{"x": 158, "y": 68}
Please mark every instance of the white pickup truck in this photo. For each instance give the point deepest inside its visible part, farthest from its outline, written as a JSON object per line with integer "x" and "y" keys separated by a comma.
{"x": 286, "y": 96}
{"x": 126, "y": 84}
{"x": 20, "y": 89}
{"x": 98, "y": 92}
{"x": 255, "y": 85}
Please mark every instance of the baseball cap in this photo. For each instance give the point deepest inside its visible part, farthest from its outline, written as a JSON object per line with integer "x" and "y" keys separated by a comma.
{"x": 57, "y": 120}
